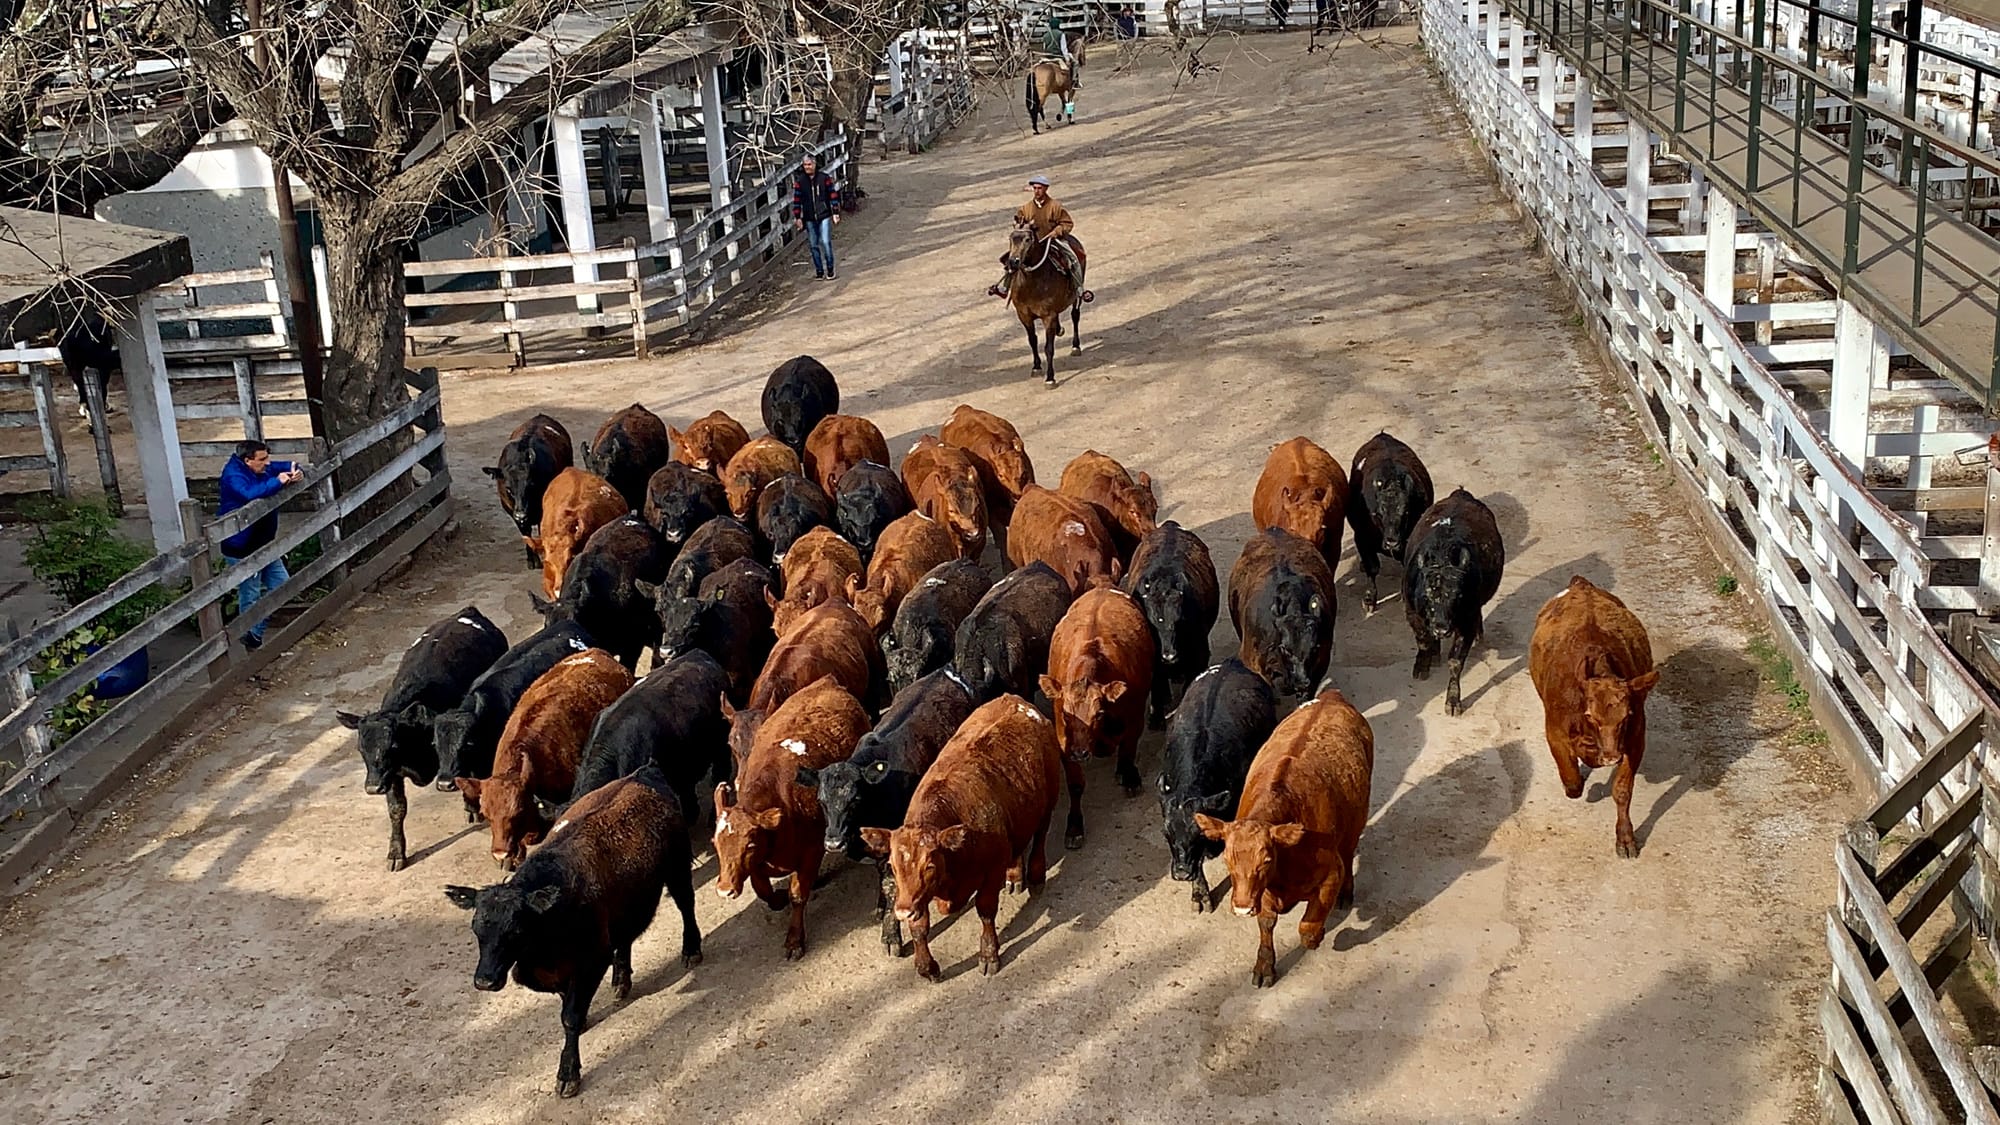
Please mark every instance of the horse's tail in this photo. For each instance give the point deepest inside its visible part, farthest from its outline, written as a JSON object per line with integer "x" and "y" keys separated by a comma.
{"x": 1031, "y": 90}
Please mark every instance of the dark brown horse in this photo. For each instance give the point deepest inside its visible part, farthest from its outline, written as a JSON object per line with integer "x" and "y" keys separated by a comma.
{"x": 1046, "y": 80}
{"x": 1042, "y": 289}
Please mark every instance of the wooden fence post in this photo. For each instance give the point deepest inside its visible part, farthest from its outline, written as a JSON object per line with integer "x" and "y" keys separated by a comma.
{"x": 324, "y": 497}
{"x": 19, "y": 686}
{"x": 203, "y": 565}
{"x": 51, "y": 426}
{"x": 426, "y": 379}
{"x": 246, "y": 398}
{"x": 100, "y": 436}
{"x": 639, "y": 346}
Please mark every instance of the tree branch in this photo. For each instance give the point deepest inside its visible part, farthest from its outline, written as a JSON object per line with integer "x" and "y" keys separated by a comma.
{"x": 74, "y": 184}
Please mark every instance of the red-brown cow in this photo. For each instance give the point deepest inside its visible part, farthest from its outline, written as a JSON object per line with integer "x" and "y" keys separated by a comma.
{"x": 978, "y": 823}
{"x": 754, "y": 466}
{"x": 907, "y": 551}
{"x": 540, "y": 748}
{"x": 1125, "y": 503}
{"x": 1299, "y": 822}
{"x": 945, "y": 485}
{"x": 766, "y": 824}
{"x": 576, "y": 504}
{"x": 997, "y": 451}
{"x": 838, "y": 443}
{"x": 709, "y": 442}
{"x": 1304, "y": 491}
{"x": 829, "y": 639}
{"x": 818, "y": 567}
{"x": 1593, "y": 667}
{"x": 1100, "y": 671}
{"x": 1064, "y": 532}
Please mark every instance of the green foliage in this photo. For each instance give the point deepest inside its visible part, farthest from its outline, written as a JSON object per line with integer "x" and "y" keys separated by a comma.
{"x": 83, "y": 708}
{"x": 78, "y": 552}
{"x": 1778, "y": 670}
{"x": 1725, "y": 584}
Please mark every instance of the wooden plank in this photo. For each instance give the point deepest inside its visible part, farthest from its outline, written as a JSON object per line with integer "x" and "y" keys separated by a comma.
{"x": 503, "y": 294}
{"x": 1926, "y": 848}
{"x": 242, "y": 310}
{"x": 517, "y": 263}
{"x": 223, "y": 345}
{"x": 221, "y": 277}
{"x": 1858, "y": 991}
{"x": 1945, "y": 499}
{"x": 1903, "y": 968}
{"x": 1943, "y": 757}
{"x": 1856, "y": 1063}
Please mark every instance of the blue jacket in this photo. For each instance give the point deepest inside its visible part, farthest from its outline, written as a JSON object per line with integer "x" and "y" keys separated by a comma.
{"x": 240, "y": 486}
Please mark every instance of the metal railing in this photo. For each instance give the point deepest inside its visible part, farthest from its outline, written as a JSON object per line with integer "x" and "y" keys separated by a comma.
{"x": 1810, "y": 134}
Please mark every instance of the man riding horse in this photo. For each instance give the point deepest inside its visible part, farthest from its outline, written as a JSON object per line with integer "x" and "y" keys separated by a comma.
{"x": 1052, "y": 225}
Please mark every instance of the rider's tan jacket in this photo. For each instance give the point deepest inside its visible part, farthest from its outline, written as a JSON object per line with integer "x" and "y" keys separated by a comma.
{"x": 1049, "y": 219}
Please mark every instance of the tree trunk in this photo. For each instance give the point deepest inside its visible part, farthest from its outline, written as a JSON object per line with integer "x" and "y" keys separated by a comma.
{"x": 853, "y": 86}
{"x": 364, "y": 367}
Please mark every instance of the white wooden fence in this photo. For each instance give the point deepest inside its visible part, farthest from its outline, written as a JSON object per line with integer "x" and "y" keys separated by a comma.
{"x": 1785, "y": 491}
{"x": 660, "y": 287}
{"x": 32, "y": 379}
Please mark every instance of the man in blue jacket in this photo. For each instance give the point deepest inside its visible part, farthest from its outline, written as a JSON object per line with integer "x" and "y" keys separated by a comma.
{"x": 250, "y": 476}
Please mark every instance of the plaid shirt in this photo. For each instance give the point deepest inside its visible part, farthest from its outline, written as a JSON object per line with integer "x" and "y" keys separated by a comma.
{"x": 820, "y": 184}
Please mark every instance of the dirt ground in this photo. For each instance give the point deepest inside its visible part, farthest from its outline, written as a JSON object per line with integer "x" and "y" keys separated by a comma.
{"x": 1299, "y": 244}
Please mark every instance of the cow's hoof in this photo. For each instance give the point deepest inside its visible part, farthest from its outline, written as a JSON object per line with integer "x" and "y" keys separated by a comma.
{"x": 1628, "y": 847}
{"x": 1073, "y": 840}
{"x": 929, "y": 969}
{"x": 987, "y": 967}
{"x": 1050, "y": 382}
{"x": 397, "y": 862}
{"x": 1200, "y": 903}
{"x": 795, "y": 952}
{"x": 1264, "y": 976}
{"x": 690, "y": 960}
{"x": 568, "y": 1087}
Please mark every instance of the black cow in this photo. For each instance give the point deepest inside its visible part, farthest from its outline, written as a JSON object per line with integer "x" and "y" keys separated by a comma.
{"x": 579, "y": 901}
{"x": 628, "y": 449}
{"x": 714, "y": 545}
{"x": 728, "y": 618}
{"x": 868, "y": 498}
{"x": 1388, "y": 491}
{"x": 1226, "y": 715}
{"x": 535, "y": 452}
{"x": 872, "y": 788}
{"x": 468, "y": 734}
{"x": 788, "y": 508}
{"x": 433, "y": 676}
{"x": 1003, "y": 644}
{"x": 1282, "y": 605}
{"x": 796, "y": 396}
{"x": 1173, "y": 580}
{"x": 673, "y": 719}
{"x": 1451, "y": 570}
{"x": 680, "y": 499}
{"x": 600, "y": 591}
{"x": 921, "y": 638}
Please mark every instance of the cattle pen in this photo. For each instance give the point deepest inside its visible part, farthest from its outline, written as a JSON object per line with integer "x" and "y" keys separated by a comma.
{"x": 1287, "y": 242}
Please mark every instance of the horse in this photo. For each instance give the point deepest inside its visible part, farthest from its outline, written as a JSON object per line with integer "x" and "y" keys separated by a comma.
{"x": 1044, "y": 80}
{"x": 1042, "y": 289}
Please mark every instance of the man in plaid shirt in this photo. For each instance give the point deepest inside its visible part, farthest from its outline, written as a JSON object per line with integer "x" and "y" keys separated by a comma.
{"x": 816, "y": 208}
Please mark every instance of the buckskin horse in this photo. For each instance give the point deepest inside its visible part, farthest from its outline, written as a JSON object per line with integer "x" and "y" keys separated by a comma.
{"x": 1052, "y": 78}
{"x": 1042, "y": 289}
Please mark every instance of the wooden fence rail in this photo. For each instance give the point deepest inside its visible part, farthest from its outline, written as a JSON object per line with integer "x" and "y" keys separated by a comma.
{"x": 415, "y": 432}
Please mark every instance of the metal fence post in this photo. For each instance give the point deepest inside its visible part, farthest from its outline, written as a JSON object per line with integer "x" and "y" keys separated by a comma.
{"x": 1756, "y": 92}
{"x": 1681, "y": 44}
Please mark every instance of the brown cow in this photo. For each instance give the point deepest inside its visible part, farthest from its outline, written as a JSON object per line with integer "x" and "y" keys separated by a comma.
{"x": 576, "y": 504}
{"x": 1299, "y": 822}
{"x": 828, "y": 639}
{"x": 766, "y": 824}
{"x": 1593, "y": 667}
{"x": 540, "y": 748}
{"x": 907, "y": 551}
{"x": 818, "y": 567}
{"x": 709, "y": 443}
{"x": 1304, "y": 491}
{"x": 754, "y": 466}
{"x": 997, "y": 451}
{"x": 978, "y": 822}
{"x": 944, "y": 484}
{"x": 1100, "y": 671}
{"x": 1126, "y": 504}
{"x": 1064, "y": 532}
{"x": 838, "y": 443}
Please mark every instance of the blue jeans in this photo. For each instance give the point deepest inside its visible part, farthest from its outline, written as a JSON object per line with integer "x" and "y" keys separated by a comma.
{"x": 259, "y": 583}
{"x": 819, "y": 236}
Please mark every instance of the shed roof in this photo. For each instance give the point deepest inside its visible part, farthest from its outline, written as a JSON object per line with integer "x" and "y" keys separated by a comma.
{"x": 50, "y": 265}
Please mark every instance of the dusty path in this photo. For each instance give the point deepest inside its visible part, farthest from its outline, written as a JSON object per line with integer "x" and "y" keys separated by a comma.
{"x": 1303, "y": 245}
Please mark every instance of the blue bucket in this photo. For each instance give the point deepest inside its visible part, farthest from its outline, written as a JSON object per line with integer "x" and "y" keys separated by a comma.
{"x": 125, "y": 677}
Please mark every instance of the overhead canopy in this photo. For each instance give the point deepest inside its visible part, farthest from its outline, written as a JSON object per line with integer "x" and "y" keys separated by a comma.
{"x": 52, "y": 265}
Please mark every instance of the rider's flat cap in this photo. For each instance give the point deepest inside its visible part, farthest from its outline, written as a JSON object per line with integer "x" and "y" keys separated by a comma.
{"x": 1042, "y": 180}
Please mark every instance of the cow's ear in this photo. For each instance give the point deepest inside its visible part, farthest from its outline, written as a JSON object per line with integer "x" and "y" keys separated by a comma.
{"x": 725, "y": 795}
{"x": 417, "y": 715}
{"x": 674, "y": 435}
{"x": 542, "y": 606}
{"x": 465, "y": 898}
{"x": 1210, "y": 827}
{"x": 853, "y": 587}
{"x": 470, "y": 786}
{"x": 1285, "y": 493}
{"x": 1051, "y": 688}
{"x": 1289, "y": 834}
{"x": 728, "y": 709}
{"x": 769, "y": 819}
{"x": 954, "y": 838}
{"x": 876, "y": 840}
{"x": 490, "y": 471}
{"x": 542, "y": 899}
{"x": 807, "y": 776}
{"x": 770, "y": 599}
{"x": 1117, "y": 569}
{"x": 548, "y": 810}
{"x": 1643, "y": 682}
{"x": 647, "y": 590}
{"x": 534, "y": 543}
{"x": 348, "y": 719}
{"x": 1216, "y": 804}
{"x": 1114, "y": 691}
{"x": 1145, "y": 481}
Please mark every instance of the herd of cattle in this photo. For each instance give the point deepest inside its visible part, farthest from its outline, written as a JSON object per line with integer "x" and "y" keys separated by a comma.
{"x": 829, "y": 651}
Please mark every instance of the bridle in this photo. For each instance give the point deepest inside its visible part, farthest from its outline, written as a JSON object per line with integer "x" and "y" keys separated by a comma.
{"x": 1014, "y": 260}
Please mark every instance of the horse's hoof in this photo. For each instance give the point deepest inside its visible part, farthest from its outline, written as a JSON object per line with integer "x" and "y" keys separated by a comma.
{"x": 1088, "y": 296}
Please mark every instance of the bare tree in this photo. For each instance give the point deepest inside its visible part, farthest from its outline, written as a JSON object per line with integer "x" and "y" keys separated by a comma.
{"x": 72, "y": 93}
